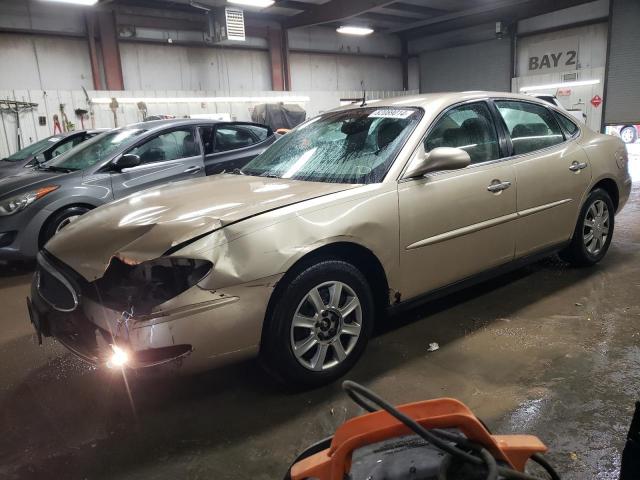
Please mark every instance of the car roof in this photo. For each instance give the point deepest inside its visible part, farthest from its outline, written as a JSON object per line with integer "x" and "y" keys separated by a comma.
{"x": 172, "y": 122}
{"x": 442, "y": 98}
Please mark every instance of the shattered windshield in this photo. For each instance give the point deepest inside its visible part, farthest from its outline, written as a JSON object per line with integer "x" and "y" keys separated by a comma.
{"x": 352, "y": 146}
{"x": 95, "y": 150}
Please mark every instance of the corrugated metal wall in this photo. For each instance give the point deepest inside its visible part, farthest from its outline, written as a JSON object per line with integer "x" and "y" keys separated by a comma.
{"x": 479, "y": 66}
{"x": 622, "y": 101}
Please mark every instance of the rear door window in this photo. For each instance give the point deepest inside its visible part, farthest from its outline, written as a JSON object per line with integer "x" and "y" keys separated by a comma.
{"x": 167, "y": 146}
{"x": 469, "y": 127}
{"x": 531, "y": 126}
{"x": 261, "y": 133}
{"x": 232, "y": 137}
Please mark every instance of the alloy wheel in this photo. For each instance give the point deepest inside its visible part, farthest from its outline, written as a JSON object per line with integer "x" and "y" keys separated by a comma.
{"x": 596, "y": 227}
{"x": 326, "y": 326}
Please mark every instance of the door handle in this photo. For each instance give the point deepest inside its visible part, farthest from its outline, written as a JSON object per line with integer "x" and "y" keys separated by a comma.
{"x": 577, "y": 166}
{"x": 193, "y": 169}
{"x": 497, "y": 186}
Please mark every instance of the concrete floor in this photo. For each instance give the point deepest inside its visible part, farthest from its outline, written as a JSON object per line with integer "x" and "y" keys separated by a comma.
{"x": 548, "y": 350}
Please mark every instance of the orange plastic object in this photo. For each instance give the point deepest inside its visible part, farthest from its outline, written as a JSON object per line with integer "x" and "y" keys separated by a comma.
{"x": 334, "y": 462}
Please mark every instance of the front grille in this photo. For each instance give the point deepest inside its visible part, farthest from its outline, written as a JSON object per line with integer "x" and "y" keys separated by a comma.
{"x": 54, "y": 288}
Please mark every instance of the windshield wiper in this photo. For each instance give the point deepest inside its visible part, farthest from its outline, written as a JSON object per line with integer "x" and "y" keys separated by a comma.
{"x": 52, "y": 168}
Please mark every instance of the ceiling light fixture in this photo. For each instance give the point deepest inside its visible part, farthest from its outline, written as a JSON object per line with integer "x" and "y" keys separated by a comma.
{"x": 87, "y": 3}
{"x": 253, "y": 3}
{"x": 351, "y": 30}
{"x": 550, "y": 86}
{"x": 284, "y": 99}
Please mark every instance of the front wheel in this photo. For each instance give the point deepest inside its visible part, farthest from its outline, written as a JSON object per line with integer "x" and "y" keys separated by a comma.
{"x": 593, "y": 233}
{"x": 319, "y": 325}
{"x": 60, "y": 220}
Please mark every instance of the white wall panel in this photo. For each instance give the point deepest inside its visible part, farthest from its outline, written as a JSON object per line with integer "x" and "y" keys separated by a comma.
{"x": 311, "y": 71}
{"x": 43, "y": 62}
{"x": 592, "y": 50}
{"x": 158, "y": 67}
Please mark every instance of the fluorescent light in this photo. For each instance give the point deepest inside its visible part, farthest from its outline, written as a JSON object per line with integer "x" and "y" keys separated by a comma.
{"x": 76, "y": 2}
{"x": 350, "y": 30}
{"x": 294, "y": 99}
{"x": 549, "y": 86}
{"x": 253, "y": 3}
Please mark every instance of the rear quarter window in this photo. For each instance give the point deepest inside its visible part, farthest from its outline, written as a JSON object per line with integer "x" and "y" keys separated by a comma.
{"x": 569, "y": 127}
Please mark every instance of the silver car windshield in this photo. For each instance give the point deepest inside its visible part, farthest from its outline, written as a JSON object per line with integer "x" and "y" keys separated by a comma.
{"x": 95, "y": 150}
{"x": 352, "y": 146}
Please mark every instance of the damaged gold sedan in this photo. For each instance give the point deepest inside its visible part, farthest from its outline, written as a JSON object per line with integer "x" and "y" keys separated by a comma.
{"x": 359, "y": 209}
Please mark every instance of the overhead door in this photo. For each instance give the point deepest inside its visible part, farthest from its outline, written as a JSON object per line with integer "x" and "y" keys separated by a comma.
{"x": 479, "y": 66}
{"x": 623, "y": 79}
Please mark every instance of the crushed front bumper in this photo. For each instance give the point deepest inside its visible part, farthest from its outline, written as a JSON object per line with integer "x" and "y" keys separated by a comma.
{"x": 197, "y": 330}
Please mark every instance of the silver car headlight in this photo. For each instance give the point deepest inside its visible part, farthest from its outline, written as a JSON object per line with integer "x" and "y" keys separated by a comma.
{"x": 17, "y": 203}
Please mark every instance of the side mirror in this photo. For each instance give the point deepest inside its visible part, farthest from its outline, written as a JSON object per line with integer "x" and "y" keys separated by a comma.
{"x": 126, "y": 161}
{"x": 39, "y": 159}
{"x": 440, "y": 158}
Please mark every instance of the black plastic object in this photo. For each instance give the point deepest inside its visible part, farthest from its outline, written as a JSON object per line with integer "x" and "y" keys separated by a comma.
{"x": 631, "y": 455}
{"x": 278, "y": 115}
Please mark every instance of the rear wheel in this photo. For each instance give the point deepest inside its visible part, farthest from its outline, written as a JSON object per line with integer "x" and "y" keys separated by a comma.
{"x": 593, "y": 233}
{"x": 60, "y": 220}
{"x": 319, "y": 325}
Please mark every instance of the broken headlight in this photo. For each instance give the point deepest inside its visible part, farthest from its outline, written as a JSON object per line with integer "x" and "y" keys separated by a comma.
{"x": 139, "y": 288}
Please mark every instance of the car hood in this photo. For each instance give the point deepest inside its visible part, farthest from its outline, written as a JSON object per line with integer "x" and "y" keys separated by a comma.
{"x": 12, "y": 168}
{"x": 26, "y": 181}
{"x": 147, "y": 224}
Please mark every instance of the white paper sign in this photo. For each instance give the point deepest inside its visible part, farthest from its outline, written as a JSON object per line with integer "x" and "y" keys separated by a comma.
{"x": 391, "y": 113}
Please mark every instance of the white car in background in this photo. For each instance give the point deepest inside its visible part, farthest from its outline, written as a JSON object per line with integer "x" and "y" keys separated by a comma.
{"x": 553, "y": 100}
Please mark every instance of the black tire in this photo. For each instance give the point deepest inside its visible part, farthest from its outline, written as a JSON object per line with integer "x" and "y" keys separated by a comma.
{"x": 633, "y": 134}
{"x": 276, "y": 353}
{"x": 57, "y": 219}
{"x": 577, "y": 252}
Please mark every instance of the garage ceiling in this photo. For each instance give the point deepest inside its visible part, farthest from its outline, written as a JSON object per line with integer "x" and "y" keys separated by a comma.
{"x": 407, "y": 18}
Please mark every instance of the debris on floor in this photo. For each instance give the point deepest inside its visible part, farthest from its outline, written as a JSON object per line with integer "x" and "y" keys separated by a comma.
{"x": 433, "y": 347}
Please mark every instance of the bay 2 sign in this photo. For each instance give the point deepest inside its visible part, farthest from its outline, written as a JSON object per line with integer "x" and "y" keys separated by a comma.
{"x": 554, "y": 55}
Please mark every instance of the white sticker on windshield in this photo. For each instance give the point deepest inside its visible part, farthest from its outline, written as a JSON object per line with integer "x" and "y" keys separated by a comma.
{"x": 391, "y": 113}
{"x": 54, "y": 139}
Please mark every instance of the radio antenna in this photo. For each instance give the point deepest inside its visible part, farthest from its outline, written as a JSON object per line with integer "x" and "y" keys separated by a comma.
{"x": 364, "y": 94}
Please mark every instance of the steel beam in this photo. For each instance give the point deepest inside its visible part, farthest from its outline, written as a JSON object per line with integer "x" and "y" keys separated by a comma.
{"x": 279, "y": 56}
{"x": 110, "y": 51}
{"x": 93, "y": 51}
{"x": 404, "y": 45}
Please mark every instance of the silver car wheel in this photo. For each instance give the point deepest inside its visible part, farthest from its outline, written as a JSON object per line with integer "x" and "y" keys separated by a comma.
{"x": 596, "y": 227}
{"x": 326, "y": 326}
{"x": 66, "y": 222}
{"x": 627, "y": 134}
